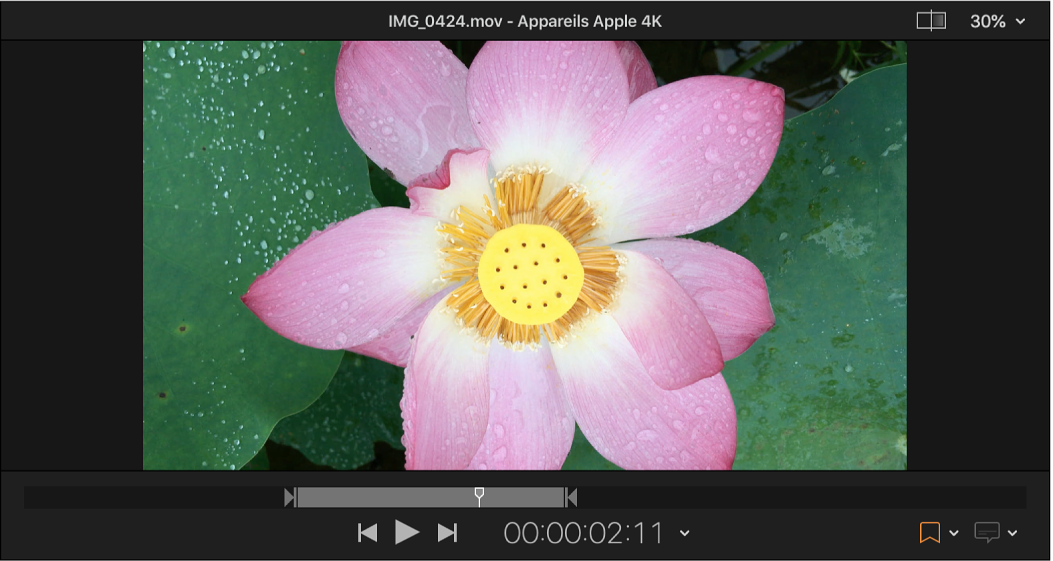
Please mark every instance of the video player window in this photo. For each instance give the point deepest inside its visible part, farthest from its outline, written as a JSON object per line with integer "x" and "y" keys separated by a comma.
{"x": 468, "y": 255}
{"x": 550, "y": 280}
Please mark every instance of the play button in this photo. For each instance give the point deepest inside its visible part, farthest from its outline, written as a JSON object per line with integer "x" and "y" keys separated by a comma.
{"x": 445, "y": 532}
{"x": 403, "y": 532}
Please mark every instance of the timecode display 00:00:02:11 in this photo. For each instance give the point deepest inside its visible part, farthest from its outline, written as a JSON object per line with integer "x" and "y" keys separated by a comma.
{"x": 574, "y": 532}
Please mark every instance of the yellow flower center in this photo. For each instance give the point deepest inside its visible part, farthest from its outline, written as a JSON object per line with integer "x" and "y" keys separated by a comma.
{"x": 530, "y": 274}
{"x": 525, "y": 266}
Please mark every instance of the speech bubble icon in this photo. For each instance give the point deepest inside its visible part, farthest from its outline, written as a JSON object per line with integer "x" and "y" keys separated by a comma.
{"x": 930, "y": 531}
{"x": 987, "y": 531}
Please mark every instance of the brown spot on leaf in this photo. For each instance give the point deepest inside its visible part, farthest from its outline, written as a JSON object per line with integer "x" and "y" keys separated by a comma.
{"x": 162, "y": 395}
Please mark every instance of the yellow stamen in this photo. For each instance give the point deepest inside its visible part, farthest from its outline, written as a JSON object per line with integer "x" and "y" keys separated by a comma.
{"x": 505, "y": 295}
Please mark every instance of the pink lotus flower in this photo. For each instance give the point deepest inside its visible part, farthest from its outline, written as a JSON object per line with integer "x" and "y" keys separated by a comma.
{"x": 510, "y": 290}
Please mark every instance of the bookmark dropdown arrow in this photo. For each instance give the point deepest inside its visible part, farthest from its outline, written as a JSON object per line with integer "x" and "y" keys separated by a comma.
{"x": 685, "y": 532}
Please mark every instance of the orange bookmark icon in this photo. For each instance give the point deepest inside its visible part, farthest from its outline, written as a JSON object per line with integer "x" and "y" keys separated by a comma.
{"x": 929, "y": 531}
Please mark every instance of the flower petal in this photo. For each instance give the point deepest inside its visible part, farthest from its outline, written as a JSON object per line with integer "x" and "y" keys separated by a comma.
{"x": 729, "y": 290}
{"x": 664, "y": 325}
{"x": 394, "y": 345}
{"x": 461, "y": 180}
{"x": 403, "y": 103}
{"x": 630, "y": 420}
{"x": 345, "y": 286}
{"x": 446, "y": 397}
{"x": 637, "y": 69}
{"x": 550, "y": 104}
{"x": 687, "y": 155}
{"x": 530, "y": 425}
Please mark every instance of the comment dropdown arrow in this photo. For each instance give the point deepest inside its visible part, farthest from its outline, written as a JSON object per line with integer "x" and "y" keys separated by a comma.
{"x": 685, "y": 532}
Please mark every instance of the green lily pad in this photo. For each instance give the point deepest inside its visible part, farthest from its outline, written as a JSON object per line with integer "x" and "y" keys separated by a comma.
{"x": 244, "y": 154}
{"x": 583, "y": 456}
{"x": 360, "y": 407}
{"x": 826, "y": 388}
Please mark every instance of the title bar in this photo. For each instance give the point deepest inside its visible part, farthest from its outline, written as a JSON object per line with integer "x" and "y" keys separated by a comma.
{"x": 533, "y": 20}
